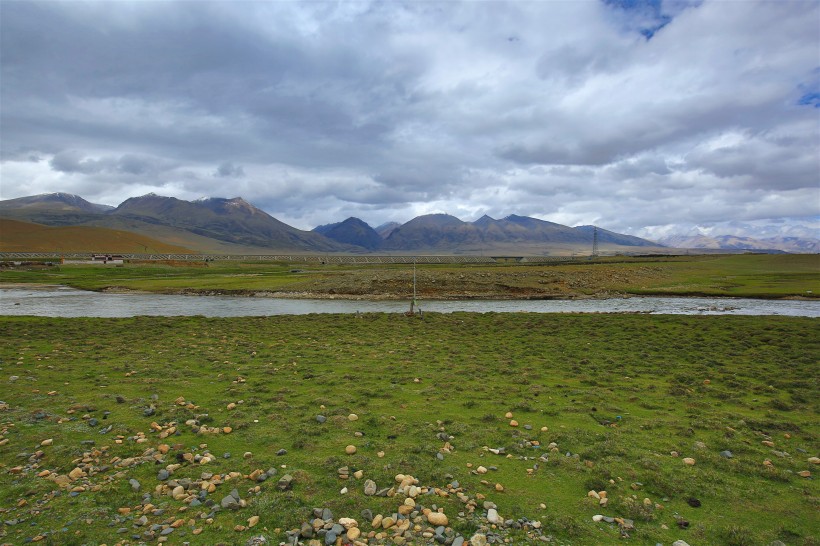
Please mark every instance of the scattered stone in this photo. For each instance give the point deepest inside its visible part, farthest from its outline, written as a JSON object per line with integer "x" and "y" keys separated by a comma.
{"x": 726, "y": 454}
{"x": 350, "y": 450}
{"x": 285, "y": 482}
{"x": 135, "y": 485}
{"x": 492, "y": 516}
{"x": 281, "y": 452}
{"x": 689, "y": 461}
{"x": 370, "y": 488}
{"x": 437, "y": 518}
{"x": 693, "y": 502}
{"x": 478, "y": 539}
{"x": 352, "y": 417}
{"x": 321, "y": 418}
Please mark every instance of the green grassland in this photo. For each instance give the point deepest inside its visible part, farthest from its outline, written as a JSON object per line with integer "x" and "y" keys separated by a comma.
{"x": 617, "y": 393}
{"x": 757, "y": 276}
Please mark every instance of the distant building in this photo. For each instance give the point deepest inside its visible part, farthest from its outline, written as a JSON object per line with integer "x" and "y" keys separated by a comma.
{"x": 107, "y": 258}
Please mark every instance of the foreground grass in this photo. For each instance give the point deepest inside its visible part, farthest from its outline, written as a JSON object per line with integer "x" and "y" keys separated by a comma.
{"x": 618, "y": 394}
{"x": 755, "y": 276}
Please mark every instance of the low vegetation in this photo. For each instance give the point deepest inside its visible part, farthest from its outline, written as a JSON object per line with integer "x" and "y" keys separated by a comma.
{"x": 757, "y": 276}
{"x": 615, "y": 403}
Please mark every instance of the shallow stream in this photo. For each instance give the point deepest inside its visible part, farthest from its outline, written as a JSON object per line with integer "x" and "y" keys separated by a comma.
{"x": 67, "y": 302}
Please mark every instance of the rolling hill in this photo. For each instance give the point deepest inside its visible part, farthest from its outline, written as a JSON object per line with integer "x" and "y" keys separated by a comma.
{"x": 18, "y": 236}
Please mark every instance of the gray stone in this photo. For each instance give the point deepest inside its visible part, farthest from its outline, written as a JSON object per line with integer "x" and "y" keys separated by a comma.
{"x": 370, "y": 487}
{"x": 726, "y": 454}
{"x": 135, "y": 485}
{"x": 680, "y": 543}
{"x": 229, "y": 502}
{"x": 458, "y": 541}
{"x": 282, "y": 452}
{"x": 285, "y": 482}
{"x": 163, "y": 475}
{"x": 321, "y": 418}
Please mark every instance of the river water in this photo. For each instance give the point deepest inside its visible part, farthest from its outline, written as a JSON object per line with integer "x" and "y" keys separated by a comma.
{"x": 67, "y": 302}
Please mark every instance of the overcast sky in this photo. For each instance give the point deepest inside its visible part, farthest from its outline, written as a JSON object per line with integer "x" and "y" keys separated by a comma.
{"x": 640, "y": 116}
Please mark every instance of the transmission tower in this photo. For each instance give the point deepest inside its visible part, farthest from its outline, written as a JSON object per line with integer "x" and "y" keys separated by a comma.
{"x": 594, "y": 242}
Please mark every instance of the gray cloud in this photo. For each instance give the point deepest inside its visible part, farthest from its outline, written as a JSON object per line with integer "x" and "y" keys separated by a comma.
{"x": 638, "y": 116}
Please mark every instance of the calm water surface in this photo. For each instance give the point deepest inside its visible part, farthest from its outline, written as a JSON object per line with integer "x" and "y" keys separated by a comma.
{"x": 67, "y": 302}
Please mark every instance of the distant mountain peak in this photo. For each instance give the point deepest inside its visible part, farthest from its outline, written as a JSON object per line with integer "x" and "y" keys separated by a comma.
{"x": 65, "y": 201}
{"x": 351, "y": 231}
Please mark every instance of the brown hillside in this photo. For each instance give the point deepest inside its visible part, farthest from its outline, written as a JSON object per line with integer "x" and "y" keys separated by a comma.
{"x": 17, "y": 236}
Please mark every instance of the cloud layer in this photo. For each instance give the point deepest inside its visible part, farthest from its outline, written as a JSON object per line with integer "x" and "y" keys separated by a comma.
{"x": 643, "y": 117}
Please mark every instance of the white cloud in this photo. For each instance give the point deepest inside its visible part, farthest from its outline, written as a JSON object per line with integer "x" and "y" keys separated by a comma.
{"x": 317, "y": 111}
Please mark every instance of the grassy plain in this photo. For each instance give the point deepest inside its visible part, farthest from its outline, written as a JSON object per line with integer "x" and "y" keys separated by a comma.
{"x": 617, "y": 393}
{"x": 759, "y": 276}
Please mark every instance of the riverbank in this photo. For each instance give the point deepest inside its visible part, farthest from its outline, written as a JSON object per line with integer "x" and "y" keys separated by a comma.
{"x": 745, "y": 276}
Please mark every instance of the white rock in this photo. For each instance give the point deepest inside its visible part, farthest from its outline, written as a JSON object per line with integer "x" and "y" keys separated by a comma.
{"x": 492, "y": 516}
{"x": 597, "y": 517}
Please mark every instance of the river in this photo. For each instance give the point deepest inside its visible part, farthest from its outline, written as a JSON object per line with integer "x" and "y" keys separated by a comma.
{"x": 67, "y": 302}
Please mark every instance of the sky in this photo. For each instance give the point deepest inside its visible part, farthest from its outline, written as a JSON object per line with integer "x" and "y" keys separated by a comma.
{"x": 647, "y": 117}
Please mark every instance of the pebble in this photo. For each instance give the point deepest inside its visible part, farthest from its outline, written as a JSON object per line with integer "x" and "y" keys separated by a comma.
{"x": 689, "y": 461}
{"x": 353, "y": 417}
{"x": 321, "y": 418}
{"x": 726, "y": 454}
{"x": 350, "y": 450}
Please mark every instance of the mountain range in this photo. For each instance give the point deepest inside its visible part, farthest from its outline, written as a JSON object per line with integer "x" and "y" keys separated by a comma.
{"x": 800, "y": 245}
{"x": 234, "y": 226}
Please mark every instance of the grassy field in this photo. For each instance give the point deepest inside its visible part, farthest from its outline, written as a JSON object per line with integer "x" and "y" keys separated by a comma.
{"x": 89, "y": 404}
{"x": 757, "y": 276}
